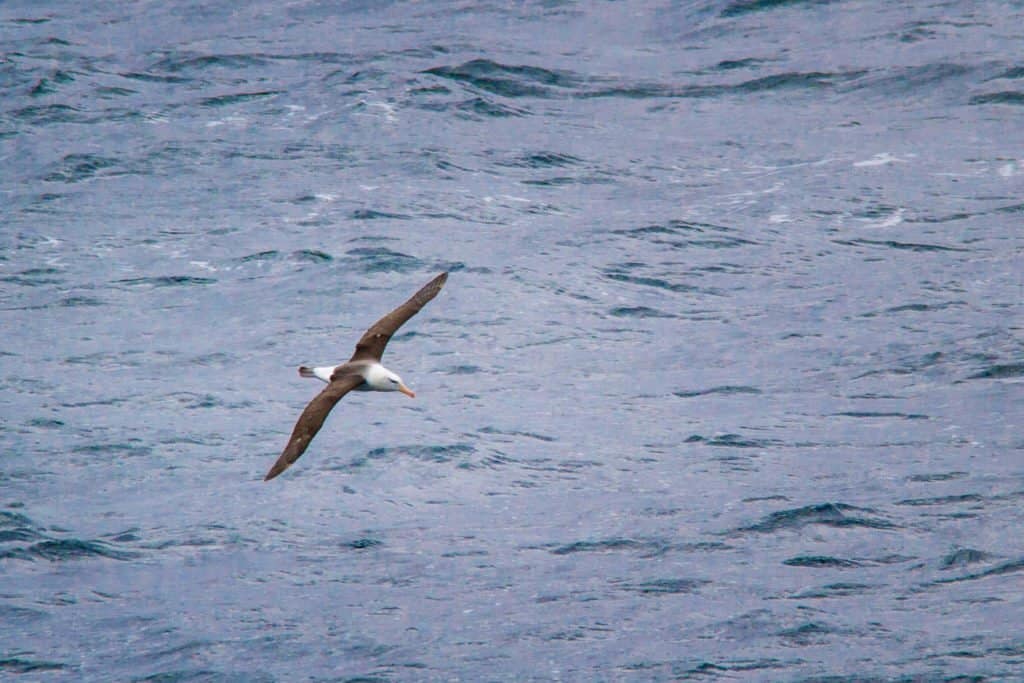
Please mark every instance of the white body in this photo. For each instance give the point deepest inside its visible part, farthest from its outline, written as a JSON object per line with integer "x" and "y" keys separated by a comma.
{"x": 378, "y": 377}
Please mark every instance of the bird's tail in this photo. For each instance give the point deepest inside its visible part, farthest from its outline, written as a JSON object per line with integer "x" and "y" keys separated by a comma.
{"x": 306, "y": 372}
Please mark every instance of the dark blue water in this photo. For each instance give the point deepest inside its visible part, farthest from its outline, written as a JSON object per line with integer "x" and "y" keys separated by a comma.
{"x": 726, "y": 382}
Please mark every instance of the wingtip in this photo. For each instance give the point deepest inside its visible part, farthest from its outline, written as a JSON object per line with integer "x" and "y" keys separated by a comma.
{"x": 274, "y": 471}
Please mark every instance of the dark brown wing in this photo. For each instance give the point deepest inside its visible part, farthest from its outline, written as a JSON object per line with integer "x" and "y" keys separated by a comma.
{"x": 371, "y": 345}
{"x": 311, "y": 420}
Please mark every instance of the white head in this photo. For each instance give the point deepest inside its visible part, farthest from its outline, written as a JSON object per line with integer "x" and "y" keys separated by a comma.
{"x": 379, "y": 378}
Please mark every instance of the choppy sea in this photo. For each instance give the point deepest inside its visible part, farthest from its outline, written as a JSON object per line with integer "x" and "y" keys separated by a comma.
{"x": 726, "y": 384}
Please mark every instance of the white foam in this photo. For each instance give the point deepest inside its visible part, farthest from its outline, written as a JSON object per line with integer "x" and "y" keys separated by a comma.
{"x": 1009, "y": 170}
{"x": 880, "y": 160}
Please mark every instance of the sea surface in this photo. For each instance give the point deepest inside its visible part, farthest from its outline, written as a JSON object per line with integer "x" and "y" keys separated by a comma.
{"x": 726, "y": 383}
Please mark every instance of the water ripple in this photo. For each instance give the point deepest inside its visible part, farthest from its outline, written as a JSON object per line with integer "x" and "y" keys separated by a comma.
{"x": 666, "y": 586}
{"x": 647, "y": 548}
{"x": 381, "y": 260}
{"x": 166, "y": 281}
{"x": 740, "y": 7}
{"x": 727, "y": 390}
{"x": 22, "y": 539}
{"x": 200, "y": 63}
{"x": 1008, "y": 567}
{"x": 1000, "y": 371}
{"x": 638, "y": 312}
{"x": 236, "y": 98}
{"x": 21, "y": 663}
{"x": 507, "y": 81}
{"x": 1014, "y": 97}
{"x": 893, "y": 244}
{"x": 424, "y": 453}
{"x": 834, "y": 590}
{"x": 827, "y": 514}
{"x": 962, "y": 557}
{"x": 74, "y": 168}
{"x": 822, "y": 561}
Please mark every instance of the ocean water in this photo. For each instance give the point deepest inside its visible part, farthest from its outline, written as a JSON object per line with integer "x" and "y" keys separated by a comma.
{"x": 725, "y": 384}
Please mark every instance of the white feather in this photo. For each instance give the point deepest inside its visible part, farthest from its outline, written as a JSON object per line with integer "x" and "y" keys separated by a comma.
{"x": 324, "y": 373}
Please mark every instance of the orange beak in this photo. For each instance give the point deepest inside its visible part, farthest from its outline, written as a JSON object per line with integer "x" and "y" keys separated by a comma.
{"x": 407, "y": 391}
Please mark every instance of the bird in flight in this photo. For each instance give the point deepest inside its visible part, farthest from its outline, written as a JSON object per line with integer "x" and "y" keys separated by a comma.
{"x": 362, "y": 372}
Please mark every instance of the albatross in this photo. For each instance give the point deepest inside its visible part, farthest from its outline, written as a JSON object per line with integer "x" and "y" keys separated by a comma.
{"x": 362, "y": 372}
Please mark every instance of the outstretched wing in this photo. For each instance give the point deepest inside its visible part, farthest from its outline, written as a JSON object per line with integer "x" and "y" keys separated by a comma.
{"x": 311, "y": 420}
{"x": 371, "y": 345}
